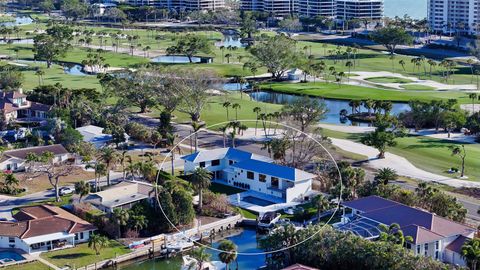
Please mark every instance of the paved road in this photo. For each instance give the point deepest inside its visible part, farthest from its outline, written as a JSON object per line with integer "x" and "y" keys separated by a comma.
{"x": 471, "y": 206}
{"x": 9, "y": 203}
{"x": 210, "y": 139}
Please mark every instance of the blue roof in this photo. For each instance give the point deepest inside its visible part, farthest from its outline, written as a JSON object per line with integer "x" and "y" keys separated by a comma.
{"x": 220, "y": 153}
{"x": 273, "y": 170}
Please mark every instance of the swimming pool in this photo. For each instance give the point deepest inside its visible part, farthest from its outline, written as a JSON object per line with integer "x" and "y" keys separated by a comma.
{"x": 10, "y": 256}
{"x": 257, "y": 201}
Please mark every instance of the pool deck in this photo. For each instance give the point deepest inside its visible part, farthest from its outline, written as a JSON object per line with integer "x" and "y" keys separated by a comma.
{"x": 28, "y": 257}
{"x": 278, "y": 203}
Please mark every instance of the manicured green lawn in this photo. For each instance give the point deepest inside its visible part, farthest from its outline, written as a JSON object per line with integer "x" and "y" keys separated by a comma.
{"x": 388, "y": 80}
{"x": 417, "y": 87}
{"x": 224, "y": 189}
{"x": 434, "y": 156}
{"x": 248, "y": 214}
{"x": 215, "y": 113}
{"x": 82, "y": 255}
{"x": 374, "y": 60}
{"x": 348, "y": 92}
{"x": 28, "y": 266}
{"x": 429, "y": 154}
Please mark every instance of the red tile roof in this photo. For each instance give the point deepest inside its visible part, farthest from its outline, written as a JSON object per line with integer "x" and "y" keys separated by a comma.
{"x": 41, "y": 220}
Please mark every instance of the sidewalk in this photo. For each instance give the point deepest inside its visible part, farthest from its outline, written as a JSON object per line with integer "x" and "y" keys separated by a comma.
{"x": 400, "y": 164}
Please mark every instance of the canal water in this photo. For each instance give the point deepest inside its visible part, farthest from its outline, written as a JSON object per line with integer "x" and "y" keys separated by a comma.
{"x": 19, "y": 20}
{"x": 334, "y": 106}
{"x": 246, "y": 240}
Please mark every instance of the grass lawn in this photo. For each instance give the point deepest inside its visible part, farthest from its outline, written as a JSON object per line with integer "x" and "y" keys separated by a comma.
{"x": 247, "y": 214}
{"x": 224, "y": 189}
{"x": 374, "y": 60}
{"x": 417, "y": 87}
{"x": 41, "y": 183}
{"x": 64, "y": 200}
{"x": 388, "y": 80}
{"x": 427, "y": 153}
{"x": 28, "y": 266}
{"x": 215, "y": 113}
{"x": 348, "y": 92}
{"x": 82, "y": 255}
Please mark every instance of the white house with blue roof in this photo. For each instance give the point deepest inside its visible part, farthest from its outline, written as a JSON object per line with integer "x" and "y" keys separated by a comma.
{"x": 252, "y": 172}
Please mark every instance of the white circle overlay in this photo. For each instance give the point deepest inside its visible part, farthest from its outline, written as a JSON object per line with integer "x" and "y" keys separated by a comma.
{"x": 251, "y": 253}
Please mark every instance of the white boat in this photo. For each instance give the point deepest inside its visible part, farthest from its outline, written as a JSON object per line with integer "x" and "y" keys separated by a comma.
{"x": 268, "y": 220}
{"x": 190, "y": 263}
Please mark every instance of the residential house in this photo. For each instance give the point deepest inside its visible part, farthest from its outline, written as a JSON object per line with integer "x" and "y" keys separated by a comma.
{"x": 15, "y": 160}
{"x": 94, "y": 134}
{"x": 432, "y": 235}
{"x": 44, "y": 228}
{"x": 244, "y": 170}
{"x": 123, "y": 195}
{"x": 17, "y": 108}
{"x": 298, "y": 266}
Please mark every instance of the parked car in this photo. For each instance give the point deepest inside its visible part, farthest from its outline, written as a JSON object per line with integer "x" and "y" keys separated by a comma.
{"x": 66, "y": 190}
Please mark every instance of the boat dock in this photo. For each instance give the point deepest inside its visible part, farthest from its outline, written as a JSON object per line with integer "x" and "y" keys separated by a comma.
{"x": 166, "y": 245}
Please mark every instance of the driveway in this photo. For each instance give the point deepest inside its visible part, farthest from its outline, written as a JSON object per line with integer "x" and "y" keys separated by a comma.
{"x": 8, "y": 203}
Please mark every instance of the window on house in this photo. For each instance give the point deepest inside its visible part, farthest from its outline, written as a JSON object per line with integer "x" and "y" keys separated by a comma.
{"x": 275, "y": 182}
{"x": 426, "y": 246}
{"x": 215, "y": 162}
{"x": 436, "y": 255}
{"x": 202, "y": 164}
{"x": 76, "y": 237}
{"x": 250, "y": 175}
{"x": 81, "y": 235}
{"x": 418, "y": 249}
{"x": 230, "y": 162}
{"x": 11, "y": 240}
{"x": 437, "y": 245}
{"x": 262, "y": 178}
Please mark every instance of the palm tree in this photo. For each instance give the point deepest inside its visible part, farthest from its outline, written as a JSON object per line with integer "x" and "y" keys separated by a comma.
{"x": 100, "y": 170}
{"x": 349, "y": 65}
{"x": 473, "y": 97}
{"x": 11, "y": 180}
{"x": 226, "y": 105}
{"x": 229, "y": 253}
{"x": 201, "y": 256}
{"x": 97, "y": 242}
{"x": 402, "y": 63}
{"x": 393, "y": 234}
{"x": 236, "y": 106}
{"x": 471, "y": 252}
{"x": 201, "y": 179}
{"x": 228, "y": 57}
{"x": 40, "y": 74}
{"x": 138, "y": 222}
{"x": 170, "y": 141}
{"x": 120, "y": 217}
{"x": 109, "y": 156}
{"x": 82, "y": 188}
{"x": 321, "y": 203}
{"x": 256, "y": 110}
{"x": 196, "y": 126}
{"x": 385, "y": 175}
{"x": 224, "y": 129}
{"x": 460, "y": 152}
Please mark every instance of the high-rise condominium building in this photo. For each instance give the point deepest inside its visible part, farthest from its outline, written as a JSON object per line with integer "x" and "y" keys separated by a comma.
{"x": 275, "y": 7}
{"x": 341, "y": 9}
{"x": 180, "y": 4}
{"x": 451, "y": 16}
{"x": 312, "y": 8}
{"x": 359, "y": 9}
